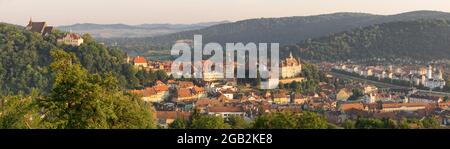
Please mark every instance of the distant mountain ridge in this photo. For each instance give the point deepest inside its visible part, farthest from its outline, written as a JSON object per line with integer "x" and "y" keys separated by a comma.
{"x": 133, "y": 31}
{"x": 289, "y": 30}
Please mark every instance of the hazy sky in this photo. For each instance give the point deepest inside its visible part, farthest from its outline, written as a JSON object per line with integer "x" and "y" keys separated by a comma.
{"x": 61, "y": 12}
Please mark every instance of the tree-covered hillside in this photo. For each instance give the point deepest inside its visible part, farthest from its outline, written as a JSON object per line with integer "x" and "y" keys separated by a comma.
{"x": 418, "y": 40}
{"x": 47, "y": 85}
{"x": 25, "y": 59}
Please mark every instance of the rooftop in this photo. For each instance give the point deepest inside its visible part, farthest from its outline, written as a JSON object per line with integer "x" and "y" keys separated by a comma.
{"x": 139, "y": 59}
{"x": 226, "y": 109}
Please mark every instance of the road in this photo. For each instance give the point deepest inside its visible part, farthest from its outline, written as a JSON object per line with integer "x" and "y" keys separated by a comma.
{"x": 387, "y": 85}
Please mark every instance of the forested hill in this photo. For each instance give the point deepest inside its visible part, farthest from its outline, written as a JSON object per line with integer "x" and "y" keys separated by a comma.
{"x": 25, "y": 59}
{"x": 290, "y": 30}
{"x": 417, "y": 40}
{"x": 285, "y": 30}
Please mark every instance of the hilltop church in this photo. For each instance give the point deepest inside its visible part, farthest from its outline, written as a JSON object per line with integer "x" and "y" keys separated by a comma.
{"x": 39, "y": 27}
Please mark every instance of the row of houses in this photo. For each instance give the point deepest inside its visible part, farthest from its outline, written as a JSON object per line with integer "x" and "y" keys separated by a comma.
{"x": 157, "y": 93}
{"x": 429, "y": 77}
{"x": 185, "y": 91}
{"x": 412, "y": 103}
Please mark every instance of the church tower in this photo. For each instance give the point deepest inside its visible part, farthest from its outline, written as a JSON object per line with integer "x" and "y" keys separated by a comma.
{"x": 440, "y": 76}
{"x": 30, "y": 24}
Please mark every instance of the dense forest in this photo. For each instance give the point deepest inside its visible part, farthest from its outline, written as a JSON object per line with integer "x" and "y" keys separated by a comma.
{"x": 417, "y": 40}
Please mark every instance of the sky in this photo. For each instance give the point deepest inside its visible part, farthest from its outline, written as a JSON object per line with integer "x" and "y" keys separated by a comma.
{"x": 66, "y": 12}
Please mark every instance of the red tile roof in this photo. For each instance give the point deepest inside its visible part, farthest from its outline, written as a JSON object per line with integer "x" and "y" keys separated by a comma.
{"x": 170, "y": 81}
{"x": 198, "y": 89}
{"x": 161, "y": 88}
{"x": 183, "y": 92}
{"x": 207, "y": 102}
{"x": 159, "y": 82}
{"x": 398, "y": 105}
{"x": 139, "y": 59}
{"x": 349, "y": 106}
{"x": 172, "y": 115}
{"x": 185, "y": 84}
{"x": 149, "y": 91}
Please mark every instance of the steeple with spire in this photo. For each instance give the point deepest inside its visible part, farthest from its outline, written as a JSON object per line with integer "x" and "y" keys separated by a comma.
{"x": 30, "y": 24}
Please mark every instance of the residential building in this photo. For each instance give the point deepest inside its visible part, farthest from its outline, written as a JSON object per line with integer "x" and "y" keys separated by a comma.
{"x": 281, "y": 98}
{"x": 167, "y": 117}
{"x": 390, "y": 107}
{"x": 185, "y": 94}
{"x": 298, "y": 98}
{"x": 204, "y": 103}
{"x": 71, "y": 39}
{"x": 153, "y": 94}
{"x": 140, "y": 62}
{"x": 415, "y": 98}
{"x": 226, "y": 112}
{"x": 200, "y": 92}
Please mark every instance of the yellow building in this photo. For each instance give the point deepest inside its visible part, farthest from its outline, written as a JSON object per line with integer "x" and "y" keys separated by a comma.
{"x": 343, "y": 94}
{"x": 290, "y": 67}
{"x": 71, "y": 39}
{"x": 281, "y": 98}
